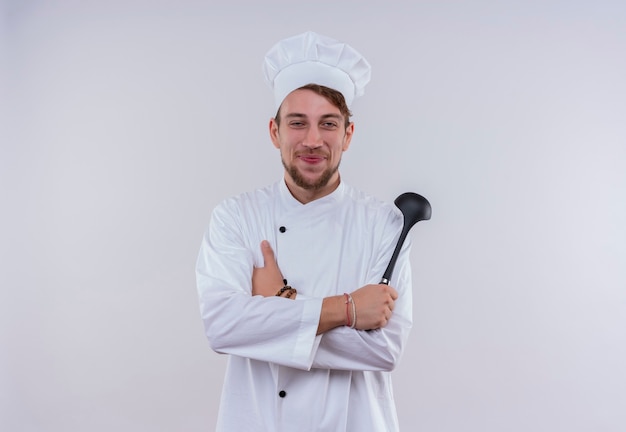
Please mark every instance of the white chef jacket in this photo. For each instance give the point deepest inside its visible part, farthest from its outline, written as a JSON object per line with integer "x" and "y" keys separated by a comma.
{"x": 281, "y": 376}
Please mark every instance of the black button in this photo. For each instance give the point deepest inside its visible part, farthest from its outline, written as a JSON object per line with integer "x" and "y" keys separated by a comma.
{"x": 282, "y": 393}
{"x": 282, "y": 229}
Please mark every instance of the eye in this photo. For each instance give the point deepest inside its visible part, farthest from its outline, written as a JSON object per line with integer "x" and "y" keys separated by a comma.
{"x": 296, "y": 124}
{"x": 329, "y": 125}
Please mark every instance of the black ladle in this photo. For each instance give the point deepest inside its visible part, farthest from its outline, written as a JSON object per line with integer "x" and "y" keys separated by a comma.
{"x": 415, "y": 208}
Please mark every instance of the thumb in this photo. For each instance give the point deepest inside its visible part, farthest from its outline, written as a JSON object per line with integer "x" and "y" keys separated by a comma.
{"x": 268, "y": 253}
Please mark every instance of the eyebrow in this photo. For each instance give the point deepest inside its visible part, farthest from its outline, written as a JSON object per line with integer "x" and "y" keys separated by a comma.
{"x": 323, "y": 117}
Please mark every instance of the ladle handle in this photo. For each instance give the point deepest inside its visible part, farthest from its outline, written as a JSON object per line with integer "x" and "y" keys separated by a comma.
{"x": 392, "y": 262}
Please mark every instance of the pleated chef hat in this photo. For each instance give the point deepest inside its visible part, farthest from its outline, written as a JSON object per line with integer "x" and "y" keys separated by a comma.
{"x": 310, "y": 58}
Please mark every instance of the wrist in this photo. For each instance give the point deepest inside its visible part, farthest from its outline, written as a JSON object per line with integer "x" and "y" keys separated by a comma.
{"x": 333, "y": 314}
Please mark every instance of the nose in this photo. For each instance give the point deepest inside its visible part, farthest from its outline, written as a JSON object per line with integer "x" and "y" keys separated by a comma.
{"x": 313, "y": 138}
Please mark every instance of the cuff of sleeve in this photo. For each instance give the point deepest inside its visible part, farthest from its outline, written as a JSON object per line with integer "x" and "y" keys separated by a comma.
{"x": 308, "y": 341}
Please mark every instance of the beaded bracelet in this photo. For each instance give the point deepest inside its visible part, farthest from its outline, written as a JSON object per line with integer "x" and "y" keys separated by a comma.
{"x": 282, "y": 290}
{"x": 290, "y": 291}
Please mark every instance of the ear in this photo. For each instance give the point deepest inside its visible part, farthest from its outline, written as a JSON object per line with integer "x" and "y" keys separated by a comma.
{"x": 273, "y": 126}
{"x": 348, "y": 137}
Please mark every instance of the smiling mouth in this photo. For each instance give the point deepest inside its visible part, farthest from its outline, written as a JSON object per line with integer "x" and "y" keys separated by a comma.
{"x": 312, "y": 158}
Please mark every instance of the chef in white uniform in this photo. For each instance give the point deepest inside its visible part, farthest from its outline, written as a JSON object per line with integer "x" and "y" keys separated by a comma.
{"x": 288, "y": 274}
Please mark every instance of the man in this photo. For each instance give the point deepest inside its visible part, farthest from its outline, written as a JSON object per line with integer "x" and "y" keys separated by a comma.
{"x": 287, "y": 275}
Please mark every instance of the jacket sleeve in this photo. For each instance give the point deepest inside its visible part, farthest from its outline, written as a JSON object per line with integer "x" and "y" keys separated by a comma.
{"x": 381, "y": 349}
{"x": 271, "y": 329}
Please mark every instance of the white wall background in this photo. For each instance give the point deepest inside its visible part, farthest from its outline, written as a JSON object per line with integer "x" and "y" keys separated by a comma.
{"x": 125, "y": 122}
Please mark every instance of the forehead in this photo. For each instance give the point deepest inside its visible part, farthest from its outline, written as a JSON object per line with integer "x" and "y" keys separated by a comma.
{"x": 308, "y": 103}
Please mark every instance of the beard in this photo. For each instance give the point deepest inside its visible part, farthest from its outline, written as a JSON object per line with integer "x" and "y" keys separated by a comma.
{"x": 302, "y": 182}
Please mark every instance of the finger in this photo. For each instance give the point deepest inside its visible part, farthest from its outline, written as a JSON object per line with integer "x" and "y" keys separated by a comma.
{"x": 393, "y": 293}
{"x": 268, "y": 253}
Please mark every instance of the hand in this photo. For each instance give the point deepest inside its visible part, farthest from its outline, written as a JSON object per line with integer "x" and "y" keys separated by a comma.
{"x": 267, "y": 280}
{"x": 374, "y": 306}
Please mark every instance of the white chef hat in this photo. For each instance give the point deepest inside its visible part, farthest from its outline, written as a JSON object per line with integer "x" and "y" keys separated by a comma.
{"x": 310, "y": 58}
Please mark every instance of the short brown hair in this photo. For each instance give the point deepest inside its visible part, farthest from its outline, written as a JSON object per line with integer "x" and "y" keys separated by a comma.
{"x": 331, "y": 95}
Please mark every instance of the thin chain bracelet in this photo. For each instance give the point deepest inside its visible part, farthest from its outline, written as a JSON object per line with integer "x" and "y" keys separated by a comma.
{"x": 348, "y": 301}
{"x": 353, "y": 312}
